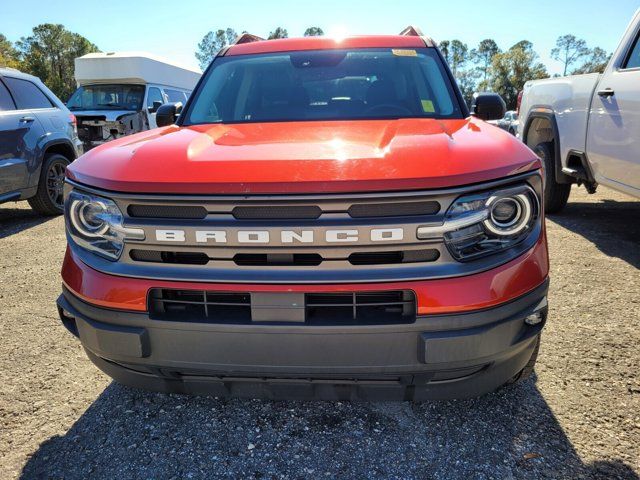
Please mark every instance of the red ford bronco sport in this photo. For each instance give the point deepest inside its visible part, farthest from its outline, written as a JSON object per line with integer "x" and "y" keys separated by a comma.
{"x": 323, "y": 219}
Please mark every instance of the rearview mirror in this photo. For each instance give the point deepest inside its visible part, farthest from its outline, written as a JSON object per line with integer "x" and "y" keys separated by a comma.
{"x": 488, "y": 106}
{"x": 167, "y": 114}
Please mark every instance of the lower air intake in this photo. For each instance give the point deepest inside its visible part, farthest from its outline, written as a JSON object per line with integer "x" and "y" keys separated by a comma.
{"x": 336, "y": 309}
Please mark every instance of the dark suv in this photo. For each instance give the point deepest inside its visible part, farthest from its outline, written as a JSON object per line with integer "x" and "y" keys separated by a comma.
{"x": 38, "y": 139}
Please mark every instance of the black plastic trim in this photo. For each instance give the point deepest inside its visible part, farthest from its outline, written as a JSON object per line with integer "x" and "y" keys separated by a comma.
{"x": 561, "y": 177}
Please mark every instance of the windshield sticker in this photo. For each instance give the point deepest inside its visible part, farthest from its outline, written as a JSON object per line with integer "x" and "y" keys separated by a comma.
{"x": 427, "y": 106}
{"x": 404, "y": 53}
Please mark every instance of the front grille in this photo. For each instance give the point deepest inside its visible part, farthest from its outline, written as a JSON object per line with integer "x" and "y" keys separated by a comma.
{"x": 352, "y": 238}
{"x": 342, "y": 308}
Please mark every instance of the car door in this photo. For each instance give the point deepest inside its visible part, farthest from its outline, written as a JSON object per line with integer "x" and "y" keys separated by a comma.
{"x": 613, "y": 138}
{"x": 153, "y": 95}
{"x": 35, "y": 109}
{"x": 18, "y": 141}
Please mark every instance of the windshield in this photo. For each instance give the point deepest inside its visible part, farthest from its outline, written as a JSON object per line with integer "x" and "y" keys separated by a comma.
{"x": 107, "y": 97}
{"x": 325, "y": 85}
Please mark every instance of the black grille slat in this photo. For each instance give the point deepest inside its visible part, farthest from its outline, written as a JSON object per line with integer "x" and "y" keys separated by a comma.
{"x": 182, "y": 258}
{"x": 387, "y": 258}
{"x": 285, "y": 212}
{"x": 277, "y": 259}
{"x": 342, "y": 308}
{"x": 167, "y": 211}
{"x": 392, "y": 209}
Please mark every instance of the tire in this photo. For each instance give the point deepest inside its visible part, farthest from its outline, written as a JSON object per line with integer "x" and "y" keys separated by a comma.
{"x": 556, "y": 194}
{"x": 48, "y": 199}
{"x": 528, "y": 368}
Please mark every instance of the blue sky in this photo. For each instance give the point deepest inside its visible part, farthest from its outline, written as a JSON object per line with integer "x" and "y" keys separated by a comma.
{"x": 173, "y": 28}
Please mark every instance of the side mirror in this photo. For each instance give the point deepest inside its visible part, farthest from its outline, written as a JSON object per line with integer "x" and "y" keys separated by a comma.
{"x": 488, "y": 106}
{"x": 156, "y": 105}
{"x": 167, "y": 114}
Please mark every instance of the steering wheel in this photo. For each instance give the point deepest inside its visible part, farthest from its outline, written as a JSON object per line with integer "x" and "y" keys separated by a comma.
{"x": 388, "y": 109}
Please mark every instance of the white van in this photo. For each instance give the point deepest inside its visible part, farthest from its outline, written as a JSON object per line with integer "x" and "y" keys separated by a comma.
{"x": 119, "y": 92}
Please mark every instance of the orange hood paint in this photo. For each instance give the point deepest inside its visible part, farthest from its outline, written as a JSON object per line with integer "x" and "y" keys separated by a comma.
{"x": 305, "y": 157}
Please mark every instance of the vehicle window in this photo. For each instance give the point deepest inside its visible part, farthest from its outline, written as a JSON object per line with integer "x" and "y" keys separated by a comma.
{"x": 6, "y": 102}
{"x": 107, "y": 97}
{"x": 175, "y": 96}
{"x": 325, "y": 85}
{"x": 154, "y": 95}
{"x": 26, "y": 94}
{"x": 634, "y": 59}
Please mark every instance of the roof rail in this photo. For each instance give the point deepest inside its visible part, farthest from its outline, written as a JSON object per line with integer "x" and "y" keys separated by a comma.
{"x": 247, "y": 38}
{"x": 412, "y": 31}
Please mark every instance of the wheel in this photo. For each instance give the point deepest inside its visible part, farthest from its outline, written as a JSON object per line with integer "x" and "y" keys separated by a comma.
{"x": 556, "y": 194}
{"x": 48, "y": 200}
{"x": 528, "y": 368}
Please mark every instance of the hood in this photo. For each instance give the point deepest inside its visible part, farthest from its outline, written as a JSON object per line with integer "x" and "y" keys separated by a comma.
{"x": 305, "y": 157}
{"x": 110, "y": 115}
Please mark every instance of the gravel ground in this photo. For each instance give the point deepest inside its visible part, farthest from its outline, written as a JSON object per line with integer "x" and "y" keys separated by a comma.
{"x": 578, "y": 417}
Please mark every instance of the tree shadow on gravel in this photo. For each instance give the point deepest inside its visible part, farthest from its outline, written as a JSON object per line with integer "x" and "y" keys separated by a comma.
{"x": 15, "y": 220}
{"x": 128, "y": 433}
{"x": 612, "y": 226}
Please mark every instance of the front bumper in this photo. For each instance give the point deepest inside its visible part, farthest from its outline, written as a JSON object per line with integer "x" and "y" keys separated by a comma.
{"x": 438, "y": 356}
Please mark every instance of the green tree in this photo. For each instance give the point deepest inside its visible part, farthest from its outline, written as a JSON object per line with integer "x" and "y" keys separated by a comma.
{"x": 596, "y": 61}
{"x": 278, "y": 33}
{"x": 511, "y": 69}
{"x": 569, "y": 50}
{"x": 467, "y": 80}
{"x": 49, "y": 53}
{"x": 212, "y": 43}
{"x": 313, "y": 32}
{"x": 459, "y": 55}
{"x": 483, "y": 58}
{"x": 444, "y": 47}
{"x": 9, "y": 55}
{"x": 455, "y": 53}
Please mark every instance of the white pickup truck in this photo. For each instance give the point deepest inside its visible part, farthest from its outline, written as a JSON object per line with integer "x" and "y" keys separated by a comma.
{"x": 586, "y": 128}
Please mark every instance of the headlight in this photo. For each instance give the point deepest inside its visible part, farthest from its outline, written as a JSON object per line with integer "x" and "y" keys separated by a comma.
{"x": 478, "y": 225}
{"x": 95, "y": 223}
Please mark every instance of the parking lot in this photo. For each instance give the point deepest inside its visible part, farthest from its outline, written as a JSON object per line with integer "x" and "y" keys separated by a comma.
{"x": 578, "y": 417}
